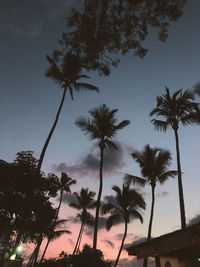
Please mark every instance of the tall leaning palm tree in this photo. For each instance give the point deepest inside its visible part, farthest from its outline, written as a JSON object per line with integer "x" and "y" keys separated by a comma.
{"x": 176, "y": 109}
{"x": 84, "y": 201}
{"x": 103, "y": 128}
{"x": 128, "y": 205}
{"x": 154, "y": 163}
{"x": 67, "y": 75}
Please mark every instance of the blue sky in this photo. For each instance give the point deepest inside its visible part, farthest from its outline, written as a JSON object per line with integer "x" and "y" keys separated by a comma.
{"x": 29, "y": 102}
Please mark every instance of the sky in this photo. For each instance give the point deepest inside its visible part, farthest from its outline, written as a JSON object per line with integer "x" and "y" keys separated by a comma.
{"x": 29, "y": 31}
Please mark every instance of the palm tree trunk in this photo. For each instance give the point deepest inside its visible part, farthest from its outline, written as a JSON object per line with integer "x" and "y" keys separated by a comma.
{"x": 50, "y": 133}
{"x": 145, "y": 262}
{"x": 99, "y": 196}
{"x": 180, "y": 186}
{"x": 34, "y": 255}
{"x": 75, "y": 249}
{"x": 56, "y": 217}
{"x": 121, "y": 247}
{"x": 47, "y": 244}
{"x": 78, "y": 247}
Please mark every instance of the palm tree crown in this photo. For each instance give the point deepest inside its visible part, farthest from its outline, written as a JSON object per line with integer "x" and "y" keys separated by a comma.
{"x": 68, "y": 73}
{"x": 175, "y": 109}
{"x": 128, "y": 204}
{"x": 103, "y": 125}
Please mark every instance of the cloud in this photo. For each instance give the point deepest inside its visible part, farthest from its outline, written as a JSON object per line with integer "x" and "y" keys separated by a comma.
{"x": 163, "y": 194}
{"x": 29, "y": 18}
{"x": 197, "y": 88}
{"x": 68, "y": 198}
{"x": 109, "y": 243}
{"x": 110, "y": 199}
{"x": 89, "y": 164}
{"x": 194, "y": 220}
{"x": 137, "y": 240}
{"x": 120, "y": 236}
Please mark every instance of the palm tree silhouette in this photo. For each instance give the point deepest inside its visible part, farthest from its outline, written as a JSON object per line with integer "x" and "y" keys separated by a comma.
{"x": 102, "y": 127}
{"x": 65, "y": 183}
{"x": 154, "y": 164}
{"x": 177, "y": 109}
{"x": 128, "y": 204}
{"x": 84, "y": 201}
{"x": 67, "y": 75}
{"x": 53, "y": 234}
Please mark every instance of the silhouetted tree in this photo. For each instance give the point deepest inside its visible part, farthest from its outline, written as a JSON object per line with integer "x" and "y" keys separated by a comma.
{"x": 177, "y": 109}
{"x": 67, "y": 74}
{"x": 99, "y": 29}
{"x": 128, "y": 204}
{"x": 53, "y": 234}
{"x": 84, "y": 201}
{"x": 64, "y": 184}
{"x": 154, "y": 163}
{"x": 101, "y": 127}
{"x": 22, "y": 194}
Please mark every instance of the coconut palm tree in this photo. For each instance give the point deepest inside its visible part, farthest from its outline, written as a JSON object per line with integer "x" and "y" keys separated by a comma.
{"x": 154, "y": 163}
{"x": 67, "y": 75}
{"x": 84, "y": 201}
{"x": 103, "y": 128}
{"x": 128, "y": 205}
{"x": 177, "y": 109}
{"x": 65, "y": 183}
{"x": 53, "y": 234}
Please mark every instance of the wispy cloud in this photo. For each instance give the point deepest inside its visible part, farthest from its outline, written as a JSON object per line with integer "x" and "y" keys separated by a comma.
{"x": 109, "y": 243}
{"x": 162, "y": 194}
{"x": 29, "y": 18}
{"x": 194, "y": 220}
{"x": 114, "y": 161}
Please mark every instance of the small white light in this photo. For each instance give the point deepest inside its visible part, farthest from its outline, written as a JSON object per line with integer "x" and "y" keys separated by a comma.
{"x": 19, "y": 249}
{"x": 12, "y": 258}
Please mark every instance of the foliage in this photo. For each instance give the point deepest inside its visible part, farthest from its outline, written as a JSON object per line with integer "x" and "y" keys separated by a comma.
{"x": 101, "y": 28}
{"x": 24, "y": 201}
{"x": 86, "y": 258}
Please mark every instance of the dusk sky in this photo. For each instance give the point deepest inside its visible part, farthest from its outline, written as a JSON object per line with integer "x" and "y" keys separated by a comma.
{"x": 29, "y": 31}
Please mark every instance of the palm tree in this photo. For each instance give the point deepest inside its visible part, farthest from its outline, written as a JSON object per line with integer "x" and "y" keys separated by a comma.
{"x": 128, "y": 204}
{"x": 53, "y": 234}
{"x": 177, "y": 109}
{"x": 102, "y": 127}
{"x": 67, "y": 75}
{"x": 84, "y": 201}
{"x": 64, "y": 186}
{"x": 154, "y": 164}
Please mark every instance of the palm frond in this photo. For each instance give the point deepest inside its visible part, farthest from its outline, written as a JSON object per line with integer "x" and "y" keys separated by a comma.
{"x": 85, "y": 86}
{"x": 135, "y": 180}
{"x": 112, "y": 220}
{"x": 135, "y": 214}
{"x": 167, "y": 175}
{"x": 160, "y": 125}
{"x": 107, "y": 208}
{"x": 55, "y": 235}
{"x": 122, "y": 124}
{"x": 110, "y": 144}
